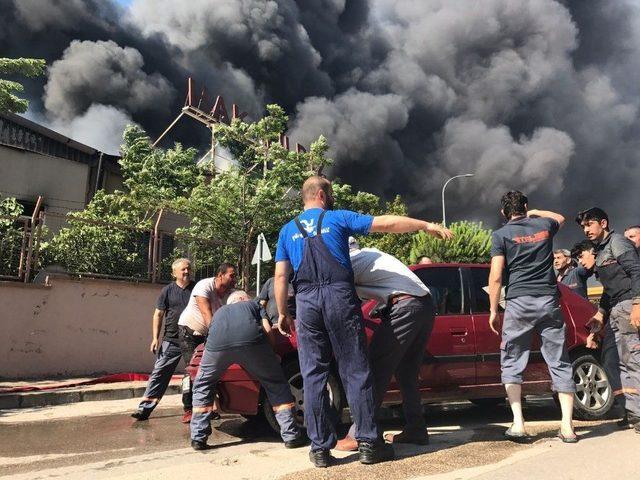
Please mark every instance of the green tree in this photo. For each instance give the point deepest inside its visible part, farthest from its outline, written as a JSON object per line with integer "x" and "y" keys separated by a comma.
{"x": 256, "y": 195}
{"x": 471, "y": 244}
{"x": 111, "y": 235}
{"x": 10, "y": 236}
{"x": 28, "y": 67}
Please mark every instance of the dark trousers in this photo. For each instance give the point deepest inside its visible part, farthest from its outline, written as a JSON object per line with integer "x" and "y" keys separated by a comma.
{"x": 264, "y": 366}
{"x": 397, "y": 348}
{"x": 188, "y": 343}
{"x": 621, "y": 357}
{"x": 329, "y": 320}
{"x": 168, "y": 357}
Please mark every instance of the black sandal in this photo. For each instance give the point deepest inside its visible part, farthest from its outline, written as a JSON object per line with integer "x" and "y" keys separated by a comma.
{"x": 516, "y": 436}
{"x": 571, "y": 439}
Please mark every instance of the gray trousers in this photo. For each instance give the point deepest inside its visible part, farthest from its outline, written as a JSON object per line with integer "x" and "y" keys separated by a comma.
{"x": 522, "y": 317}
{"x": 169, "y": 355}
{"x": 263, "y": 364}
{"x": 397, "y": 347}
{"x": 621, "y": 357}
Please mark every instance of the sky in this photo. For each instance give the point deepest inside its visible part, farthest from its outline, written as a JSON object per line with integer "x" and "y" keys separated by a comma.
{"x": 536, "y": 95}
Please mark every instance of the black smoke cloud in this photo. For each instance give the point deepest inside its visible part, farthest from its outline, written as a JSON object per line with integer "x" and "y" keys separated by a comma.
{"x": 539, "y": 95}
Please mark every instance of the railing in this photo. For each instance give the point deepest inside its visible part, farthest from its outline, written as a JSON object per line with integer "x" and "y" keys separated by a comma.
{"x": 104, "y": 250}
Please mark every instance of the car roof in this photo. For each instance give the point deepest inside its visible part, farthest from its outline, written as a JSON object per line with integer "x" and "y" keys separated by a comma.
{"x": 440, "y": 265}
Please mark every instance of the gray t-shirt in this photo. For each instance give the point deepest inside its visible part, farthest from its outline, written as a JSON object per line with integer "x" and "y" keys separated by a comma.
{"x": 236, "y": 325}
{"x": 527, "y": 246}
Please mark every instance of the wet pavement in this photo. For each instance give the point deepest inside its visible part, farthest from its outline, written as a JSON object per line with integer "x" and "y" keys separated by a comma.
{"x": 70, "y": 441}
{"x": 111, "y": 440}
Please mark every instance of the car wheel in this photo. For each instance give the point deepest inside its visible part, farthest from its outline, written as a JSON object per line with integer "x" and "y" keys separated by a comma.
{"x": 594, "y": 395}
{"x": 487, "y": 402}
{"x": 294, "y": 377}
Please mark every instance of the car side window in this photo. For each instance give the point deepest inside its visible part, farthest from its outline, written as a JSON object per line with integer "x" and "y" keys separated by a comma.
{"x": 480, "y": 281}
{"x": 445, "y": 284}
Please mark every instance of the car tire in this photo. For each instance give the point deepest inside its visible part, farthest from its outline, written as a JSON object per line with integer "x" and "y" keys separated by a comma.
{"x": 294, "y": 377}
{"x": 487, "y": 402}
{"x": 594, "y": 395}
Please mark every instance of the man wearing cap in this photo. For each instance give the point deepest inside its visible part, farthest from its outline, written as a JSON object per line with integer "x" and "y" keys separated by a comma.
{"x": 617, "y": 266}
{"x": 523, "y": 250}
{"x": 239, "y": 334}
{"x": 407, "y": 312}
{"x": 328, "y": 317}
{"x": 568, "y": 273}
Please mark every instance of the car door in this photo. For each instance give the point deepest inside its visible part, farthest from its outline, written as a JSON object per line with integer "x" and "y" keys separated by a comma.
{"x": 449, "y": 358}
{"x": 488, "y": 343}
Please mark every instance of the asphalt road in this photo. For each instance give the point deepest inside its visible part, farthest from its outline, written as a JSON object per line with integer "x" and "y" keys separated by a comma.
{"x": 102, "y": 444}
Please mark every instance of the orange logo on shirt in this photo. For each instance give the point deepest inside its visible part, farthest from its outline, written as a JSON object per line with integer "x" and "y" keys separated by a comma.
{"x": 535, "y": 238}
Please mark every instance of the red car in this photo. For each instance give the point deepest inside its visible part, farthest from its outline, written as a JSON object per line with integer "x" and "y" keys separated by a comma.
{"x": 461, "y": 359}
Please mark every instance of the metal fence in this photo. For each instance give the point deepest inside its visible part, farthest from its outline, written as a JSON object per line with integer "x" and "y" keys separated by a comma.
{"x": 102, "y": 250}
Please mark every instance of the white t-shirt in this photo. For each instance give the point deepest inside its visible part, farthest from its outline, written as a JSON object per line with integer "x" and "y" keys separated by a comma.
{"x": 379, "y": 275}
{"x": 191, "y": 316}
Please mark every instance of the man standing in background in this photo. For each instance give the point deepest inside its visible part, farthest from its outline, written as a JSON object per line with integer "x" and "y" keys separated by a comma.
{"x": 172, "y": 301}
{"x": 633, "y": 234}
{"x": 568, "y": 273}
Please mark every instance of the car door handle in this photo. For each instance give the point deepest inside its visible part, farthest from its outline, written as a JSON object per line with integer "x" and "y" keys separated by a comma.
{"x": 459, "y": 332}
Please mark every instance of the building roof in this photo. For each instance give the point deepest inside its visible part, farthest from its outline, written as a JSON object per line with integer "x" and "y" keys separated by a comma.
{"x": 19, "y": 132}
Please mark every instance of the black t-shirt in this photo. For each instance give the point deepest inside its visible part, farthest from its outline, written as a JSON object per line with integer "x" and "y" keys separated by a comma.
{"x": 527, "y": 245}
{"x": 236, "y": 325}
{"x": 172, "y": 301}
{"x": 267, "y": 293}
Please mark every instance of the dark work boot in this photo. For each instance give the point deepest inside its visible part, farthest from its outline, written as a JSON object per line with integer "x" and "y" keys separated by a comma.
{"x": 142, "y": 414}
{"x": 375, "y": 452}
{"x": 297, "y": 442}
{"x": 199, "y": 445}
{"x": 321, "y": 458}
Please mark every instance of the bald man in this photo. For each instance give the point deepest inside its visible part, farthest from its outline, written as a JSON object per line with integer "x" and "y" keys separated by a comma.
{"x": 328, "y": 317}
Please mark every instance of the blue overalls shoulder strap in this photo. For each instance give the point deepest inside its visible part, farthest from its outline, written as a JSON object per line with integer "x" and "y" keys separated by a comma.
{"x": 302, "y": 229}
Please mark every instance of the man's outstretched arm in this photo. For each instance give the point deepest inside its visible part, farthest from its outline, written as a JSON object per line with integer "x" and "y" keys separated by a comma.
{"x": 399, "y": 224}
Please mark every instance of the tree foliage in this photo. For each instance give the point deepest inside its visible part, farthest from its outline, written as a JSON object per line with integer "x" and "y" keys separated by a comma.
{"x": 471, "y": 244}
{"x": 111, "y": 235}
{"x": 28, "y": 67}
{"x": 10, "y": 236}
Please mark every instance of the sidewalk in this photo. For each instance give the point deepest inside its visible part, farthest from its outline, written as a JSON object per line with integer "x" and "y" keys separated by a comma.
{"x": 44, "y": 395}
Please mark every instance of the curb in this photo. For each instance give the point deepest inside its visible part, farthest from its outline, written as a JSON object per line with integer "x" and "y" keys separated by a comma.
{"x": 74, "y": 395}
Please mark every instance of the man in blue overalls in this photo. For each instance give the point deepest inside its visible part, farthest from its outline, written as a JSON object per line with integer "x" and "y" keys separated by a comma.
{"x": 328, "y": 316}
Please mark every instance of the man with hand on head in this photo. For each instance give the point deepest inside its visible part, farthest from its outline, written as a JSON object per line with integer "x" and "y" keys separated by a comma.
{"x": 329, "y": 320}
{"x": 617, "y": 266}
{"x": 239, "y": 334}
{"x": 208, "y": 295}
{"x": 397, "y": 348}
{"x": 523, "y": 249}
{"x": 172, "y": 301}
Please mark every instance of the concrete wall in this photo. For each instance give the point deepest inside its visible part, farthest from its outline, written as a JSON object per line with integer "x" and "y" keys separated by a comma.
{"x": 25, "y": 175}
{"x": 75, "y": 328}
